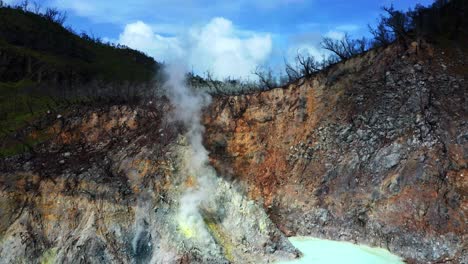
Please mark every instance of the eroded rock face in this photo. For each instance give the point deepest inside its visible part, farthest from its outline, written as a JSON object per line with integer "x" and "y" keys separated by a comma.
{"x": 108, "y": 189}
{"x": 372, "y": 150}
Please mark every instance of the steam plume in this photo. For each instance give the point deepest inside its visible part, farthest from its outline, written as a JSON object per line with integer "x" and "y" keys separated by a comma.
{"x": 188, "y": 109}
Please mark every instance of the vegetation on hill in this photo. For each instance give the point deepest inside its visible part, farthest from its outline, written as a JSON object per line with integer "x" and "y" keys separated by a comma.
{"x": 445, "y": 22}
{"x": 45, "y": 67}
{"x": 40, "y": 38}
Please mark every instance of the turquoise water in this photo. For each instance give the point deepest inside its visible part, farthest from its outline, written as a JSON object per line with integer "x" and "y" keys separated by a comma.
{"x": 323, "y": 251}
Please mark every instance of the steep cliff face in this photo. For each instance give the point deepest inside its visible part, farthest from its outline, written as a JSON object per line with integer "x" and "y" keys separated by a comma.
{"x": 108, "y": 189}
{"x": 374, "y": 150}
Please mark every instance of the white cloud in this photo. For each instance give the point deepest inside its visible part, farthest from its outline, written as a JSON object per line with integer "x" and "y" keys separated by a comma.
{"x": 168, "y": 28}
{"x": 306, "y": 44}
{"x": 339, "y": 32}
{"x": 333, "y": 34}
{"x": 217, "y": 47}
{"x": 306, "y": 49}
{"x": 141, "y": 36}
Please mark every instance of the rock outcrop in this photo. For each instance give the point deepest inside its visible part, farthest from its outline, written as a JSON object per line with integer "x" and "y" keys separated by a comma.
{"x": 107, "y": 189}
{"x": 373, "y": 150}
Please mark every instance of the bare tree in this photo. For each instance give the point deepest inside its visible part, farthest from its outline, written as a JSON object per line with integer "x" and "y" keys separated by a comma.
{"x": 54, "y": 15}
{"x": 266, "y": 77}
{"x": 308, "y": 65}
{"x": 292, "y": 72}
{"x": 305, "y": 65}
{"x": 394, "y": 25}
{"x": 37, "y": 7}
{"x": 381, "y": 35}
{"x": 24, "y": 5}
{"x": 398, "y": 22}
{"x": 212, "y": 83}
{"x": 345, "y": 47}
{"x": 361, "y": 45}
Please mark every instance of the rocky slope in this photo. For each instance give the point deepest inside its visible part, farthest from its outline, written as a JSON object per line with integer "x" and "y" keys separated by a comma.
{"x": 108, "y": 189}
{"x": 372, "y": 150}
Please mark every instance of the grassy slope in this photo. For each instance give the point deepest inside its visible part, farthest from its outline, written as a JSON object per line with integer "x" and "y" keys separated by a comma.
{"x": 30, "y": 34}
{"x": 55, "y": 51}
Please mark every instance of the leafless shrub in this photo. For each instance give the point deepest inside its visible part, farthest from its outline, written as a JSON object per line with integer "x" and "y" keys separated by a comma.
{"x": 24, "y": 5}
{"x": 381, "y": 35}
{"x": 304, "y": 65}
{"x": 36, "y": 8}
{"x": 393, "y": 25}
{"x": 266, "y": 78}
{"x": 345, "y": 47}
{"x": 397, "y": 22}
{"x": 54, "y": 15}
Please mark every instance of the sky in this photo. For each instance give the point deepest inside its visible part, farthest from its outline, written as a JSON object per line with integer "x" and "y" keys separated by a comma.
{"x": 227, "y": 38}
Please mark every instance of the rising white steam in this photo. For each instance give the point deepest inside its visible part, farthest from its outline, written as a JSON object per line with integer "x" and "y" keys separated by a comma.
{"x": 188, "y": 106}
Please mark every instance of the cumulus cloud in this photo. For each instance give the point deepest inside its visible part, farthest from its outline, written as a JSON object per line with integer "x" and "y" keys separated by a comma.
{"x": 141, "y": 36}
{"x": 218, "y": 47}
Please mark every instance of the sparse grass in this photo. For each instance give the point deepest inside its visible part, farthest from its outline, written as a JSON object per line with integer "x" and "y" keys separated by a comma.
{"x": 44, "y": 59}
{"x": 20, "y": 106}
{"x": 16, "y": 147}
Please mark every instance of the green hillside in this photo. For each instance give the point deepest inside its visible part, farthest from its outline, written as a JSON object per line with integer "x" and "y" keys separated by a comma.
{"x": 45, "y": 67}
{"x": 38, "y": 39}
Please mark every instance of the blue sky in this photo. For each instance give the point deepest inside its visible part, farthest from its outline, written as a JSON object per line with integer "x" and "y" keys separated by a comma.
{"x": 223, "y": 37}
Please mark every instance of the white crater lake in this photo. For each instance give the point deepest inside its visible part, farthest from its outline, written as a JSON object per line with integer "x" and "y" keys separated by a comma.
{"x": 323, "y": 251}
